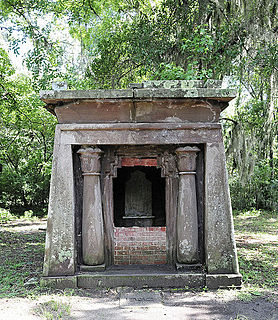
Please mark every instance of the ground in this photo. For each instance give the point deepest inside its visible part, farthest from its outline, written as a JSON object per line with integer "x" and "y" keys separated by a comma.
{"x": 22, "y": 243}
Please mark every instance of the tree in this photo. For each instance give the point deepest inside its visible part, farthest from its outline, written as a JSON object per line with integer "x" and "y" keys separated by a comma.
{"x": 119, "y": 42}
{"x": 25, "y": 143}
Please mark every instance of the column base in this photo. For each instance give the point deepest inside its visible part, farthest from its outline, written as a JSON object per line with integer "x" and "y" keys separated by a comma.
{"x": 100, "y": 267}
{"x": 186, "y": 267}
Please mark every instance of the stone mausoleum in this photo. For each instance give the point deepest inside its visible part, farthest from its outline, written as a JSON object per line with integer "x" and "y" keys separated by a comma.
{"x": 139, "y": 191}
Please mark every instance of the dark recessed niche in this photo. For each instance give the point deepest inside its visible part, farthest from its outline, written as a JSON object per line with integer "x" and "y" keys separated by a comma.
{"x": 139, "y": 197}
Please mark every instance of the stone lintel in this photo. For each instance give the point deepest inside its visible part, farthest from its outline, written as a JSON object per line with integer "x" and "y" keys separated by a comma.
{"x": 138, "y": 126}
{"x": 135, "y": 134}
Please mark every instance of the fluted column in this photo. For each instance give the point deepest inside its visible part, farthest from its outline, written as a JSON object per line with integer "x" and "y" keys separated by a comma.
{"x": 187, "y": 221}
{"x": 92, "y": 220}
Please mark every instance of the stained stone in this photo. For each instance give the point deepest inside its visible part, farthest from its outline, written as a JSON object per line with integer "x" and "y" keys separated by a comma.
{"x": 175, "y": 123}
{"x": 138, "y": 195}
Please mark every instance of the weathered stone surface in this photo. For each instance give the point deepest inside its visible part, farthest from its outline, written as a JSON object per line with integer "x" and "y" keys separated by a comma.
{"x": 176, "y": 110}
{"x": 51, "y": 96}
{"x": 158, "y": 280}
{"x": 139, "y": 134}
{"x": 215, "y": 281}
{"x": 220, "y": 250}
{"x": 96, "y": 268}
{"x": 172, "y": 84}
{"x": 92, "y": 220}
{"x": 95, "y": 111}
{"x": 138, "y": 110}
{"x": 158, "y": 118}
{"x": 60, "y": 237}
{"x": 162, "y": 89}
{"x": 59, "y": 282}
{"x": 138, "y": 195}
{"x": 187, "y": 222}
{"x": 209, "y": 93}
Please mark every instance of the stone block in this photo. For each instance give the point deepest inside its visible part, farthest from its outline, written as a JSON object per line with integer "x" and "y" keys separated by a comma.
{"x": 59, "y": 282}
{"x": 143, "y": 280}
{"x": 215, "y": 281}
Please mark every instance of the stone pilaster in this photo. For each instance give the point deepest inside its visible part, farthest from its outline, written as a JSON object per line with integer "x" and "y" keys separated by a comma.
{"x": 187, "y": 221}
{"x": 220, "y": 250}
{"x": 92, "y": 220}
{"x": 60, "y": 240}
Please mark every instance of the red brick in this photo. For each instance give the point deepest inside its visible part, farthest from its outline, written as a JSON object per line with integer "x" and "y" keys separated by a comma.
{"x": 131, "y": 162}
{"x": 140, "y": 245}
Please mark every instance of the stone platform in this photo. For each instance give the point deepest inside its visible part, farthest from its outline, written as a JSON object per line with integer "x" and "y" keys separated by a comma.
{"x": 138, "y": 276}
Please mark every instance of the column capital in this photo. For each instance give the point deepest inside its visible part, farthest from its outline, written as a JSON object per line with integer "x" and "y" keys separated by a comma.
{"x": 187, "y": 159}
{"x": 90, "y": 159}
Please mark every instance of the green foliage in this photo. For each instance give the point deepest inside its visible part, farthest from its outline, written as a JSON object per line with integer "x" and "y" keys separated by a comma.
{"x": 259, "y": 191}
{"x": 108, "y": 44}
{"x": 5, "y": 216}
{"x": 170, "y": 72}
{"x": 53, "y": 310}
{"x": 26, "y": 142}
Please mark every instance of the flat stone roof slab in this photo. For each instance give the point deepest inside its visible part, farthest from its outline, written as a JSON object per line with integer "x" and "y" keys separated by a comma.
{"x": 210, "y": 89}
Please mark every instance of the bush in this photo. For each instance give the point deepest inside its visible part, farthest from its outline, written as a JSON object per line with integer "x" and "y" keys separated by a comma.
{"x": 260, "y": 191}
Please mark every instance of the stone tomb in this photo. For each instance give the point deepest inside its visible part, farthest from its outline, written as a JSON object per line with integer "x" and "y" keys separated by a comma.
{"x": 139, "y": 192}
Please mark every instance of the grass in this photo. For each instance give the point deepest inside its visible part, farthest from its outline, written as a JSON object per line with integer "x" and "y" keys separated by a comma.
{"x": 22, "y": 254}
{"x": 21, "y": 260}
{"x": 257, "y": 246}
{"x": 53, "y": 310}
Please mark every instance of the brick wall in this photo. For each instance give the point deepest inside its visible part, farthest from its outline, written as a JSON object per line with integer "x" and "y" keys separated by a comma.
{"x": 140, "y": 245}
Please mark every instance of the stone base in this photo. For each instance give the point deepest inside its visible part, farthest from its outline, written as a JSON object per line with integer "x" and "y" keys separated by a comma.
{"x": 59, "y": 282}
{"x": 215, "y": 281}
{"x": 100, "y": 267}
{"x": 186, "y": 267}
{"x": 144, "y": 277}
{"x": 179, "y": 280}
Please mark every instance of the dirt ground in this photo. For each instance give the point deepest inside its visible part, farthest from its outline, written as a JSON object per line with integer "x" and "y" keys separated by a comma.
{"x": 126, "y": 303}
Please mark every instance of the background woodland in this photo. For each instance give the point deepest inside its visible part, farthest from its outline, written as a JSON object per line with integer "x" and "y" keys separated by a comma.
{"x": 108, "y": 44}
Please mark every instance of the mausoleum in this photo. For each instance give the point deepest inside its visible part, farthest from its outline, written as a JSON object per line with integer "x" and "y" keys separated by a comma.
{"x": 139, "y": 192}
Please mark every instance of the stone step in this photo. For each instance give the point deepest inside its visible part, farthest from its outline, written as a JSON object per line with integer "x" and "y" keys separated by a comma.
{"x": 141, "y": 280}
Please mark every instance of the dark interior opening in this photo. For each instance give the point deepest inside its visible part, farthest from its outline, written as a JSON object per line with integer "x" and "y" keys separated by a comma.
{"x": 139, "y": 197}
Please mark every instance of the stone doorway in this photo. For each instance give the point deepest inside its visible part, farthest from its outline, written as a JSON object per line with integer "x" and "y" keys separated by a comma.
{"x": 139, "y": 214}
{"x": 139, "y": 197}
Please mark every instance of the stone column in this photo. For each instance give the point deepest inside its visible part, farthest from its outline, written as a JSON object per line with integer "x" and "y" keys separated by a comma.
{"x": 187, "y": 221}
{"x": 92, "y": 220}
